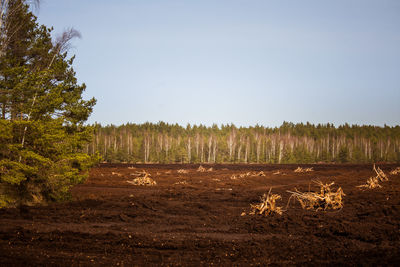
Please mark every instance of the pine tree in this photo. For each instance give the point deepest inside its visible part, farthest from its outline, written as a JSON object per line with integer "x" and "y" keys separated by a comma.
{"x": 42, "y": 121}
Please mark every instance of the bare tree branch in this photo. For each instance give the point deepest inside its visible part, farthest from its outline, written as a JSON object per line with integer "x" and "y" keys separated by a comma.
{"x": 63, "y": 41}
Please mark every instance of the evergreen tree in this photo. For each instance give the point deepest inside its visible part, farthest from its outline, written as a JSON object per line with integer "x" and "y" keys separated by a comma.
{"x": 343, "y": 154}
{"x": 42, "y": 121}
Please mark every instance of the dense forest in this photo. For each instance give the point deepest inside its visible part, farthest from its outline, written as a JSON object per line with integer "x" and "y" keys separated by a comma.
{"x": 289, "y": 143}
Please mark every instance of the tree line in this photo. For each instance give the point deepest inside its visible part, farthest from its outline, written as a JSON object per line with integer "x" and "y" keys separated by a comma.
{"x": 289, "y": 143}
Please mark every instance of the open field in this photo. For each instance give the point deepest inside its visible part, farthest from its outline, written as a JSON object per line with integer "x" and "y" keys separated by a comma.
{"x": 195, "y": 218}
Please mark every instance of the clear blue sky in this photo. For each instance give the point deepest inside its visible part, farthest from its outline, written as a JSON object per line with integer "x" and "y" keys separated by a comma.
{"x": 245, "y": 62}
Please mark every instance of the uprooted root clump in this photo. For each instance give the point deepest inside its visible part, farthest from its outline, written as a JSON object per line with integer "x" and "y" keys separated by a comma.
{"x": 373, "y": 182}
{"x": 324, "y": 200}
{"x": 201, "y": 169}
{"x": 143, "y": 179}
{"x": 267, "y": 206}
{"x": 181, "y": 183}
{"x": 247, "y": 174}
{"x": 395, "y": 171}
{"x": 299, "y": 169}
{"x": 381, "y": 174}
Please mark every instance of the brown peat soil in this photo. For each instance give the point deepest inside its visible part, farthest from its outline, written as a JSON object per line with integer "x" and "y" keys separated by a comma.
{"x": 194, "y": 219}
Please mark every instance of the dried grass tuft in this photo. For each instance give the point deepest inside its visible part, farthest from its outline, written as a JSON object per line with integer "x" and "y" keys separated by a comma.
{"x": 182, "y": 171}
{"x": 143, "y": 179}
{"x": 325, "y": 199}
{"x": 267, "y": 206}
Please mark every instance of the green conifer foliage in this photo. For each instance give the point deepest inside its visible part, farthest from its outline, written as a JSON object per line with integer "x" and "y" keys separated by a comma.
{"x": 42, "y": 131}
